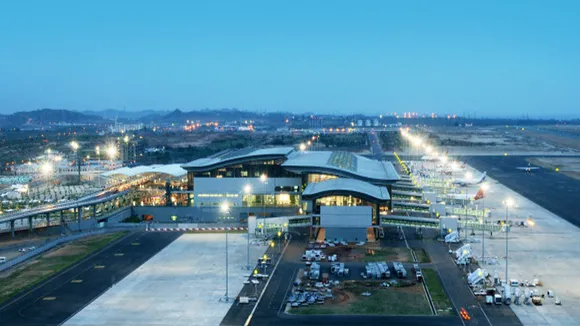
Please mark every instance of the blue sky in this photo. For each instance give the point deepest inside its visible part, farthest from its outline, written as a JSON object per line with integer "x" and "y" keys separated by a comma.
{"x": 492, "y": 58}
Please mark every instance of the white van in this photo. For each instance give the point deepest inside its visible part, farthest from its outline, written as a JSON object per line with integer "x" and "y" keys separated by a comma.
{"x": 2, "y": 260}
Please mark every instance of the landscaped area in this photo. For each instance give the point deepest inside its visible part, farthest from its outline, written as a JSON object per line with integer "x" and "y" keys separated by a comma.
{"x": 422, "y": 256}
{"x": 406, "y": 298}
{"x": 47, "y": 264}
{"x": 438, "y": 295}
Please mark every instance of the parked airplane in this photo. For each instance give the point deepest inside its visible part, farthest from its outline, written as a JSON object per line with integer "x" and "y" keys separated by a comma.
{"x": 466, "y": 182}
{"x": 528, "y": 169}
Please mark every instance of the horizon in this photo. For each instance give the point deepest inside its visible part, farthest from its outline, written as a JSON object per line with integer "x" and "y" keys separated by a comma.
{"x": 481, "y": 59}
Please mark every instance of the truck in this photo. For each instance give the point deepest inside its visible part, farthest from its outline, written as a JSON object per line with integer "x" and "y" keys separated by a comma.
{"x": 418, "y": 272}
{"x": 452, "y": 237}
{"x": 313, "y": 255}
{"x": 489, "y": 295}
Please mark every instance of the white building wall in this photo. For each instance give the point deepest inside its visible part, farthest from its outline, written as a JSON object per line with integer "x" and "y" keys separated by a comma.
{"x": 231, "y": 189}
{"x": 346, "y": 216}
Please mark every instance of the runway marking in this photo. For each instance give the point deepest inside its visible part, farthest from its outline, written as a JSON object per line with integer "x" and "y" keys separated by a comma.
{"x": 119, "y": 254}
{"x": 99, "y": 266}
{"x": 49, "y": 298}
{"x": 76, "y": 281}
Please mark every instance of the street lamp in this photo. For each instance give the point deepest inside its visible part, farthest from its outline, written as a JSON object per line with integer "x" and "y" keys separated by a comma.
{"x": 247, "y": 191}
{"x": 264, "y": 180}
{"x": 508, "y": 203}
{"x": 225, "y": 209}
{"x": 484, "y": 187}
{"x": 112, "y": 152}
{"x": 279, "y": 239}
{"x": 75, "y": 146}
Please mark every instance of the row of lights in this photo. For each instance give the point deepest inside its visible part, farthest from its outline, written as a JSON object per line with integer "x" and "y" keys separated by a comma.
{"x": 47, "y": 167}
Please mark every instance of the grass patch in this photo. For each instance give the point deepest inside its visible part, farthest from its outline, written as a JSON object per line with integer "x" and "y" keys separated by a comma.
{"x": 49, "y": 263}
{"x": 422, "y": 255}
{"x": 440, "y": 298}
{"x": 408, "y": 299}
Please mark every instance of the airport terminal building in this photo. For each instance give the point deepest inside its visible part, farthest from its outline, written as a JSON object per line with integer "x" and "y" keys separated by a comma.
{"x": 344, "y": 194}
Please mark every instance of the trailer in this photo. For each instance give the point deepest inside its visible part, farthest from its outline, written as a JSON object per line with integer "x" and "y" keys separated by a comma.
{"x": 507, "y": 294}
{"x": 314, "y": 273}
{"x": 377, "y": 270}
{"x": 400, "y": 270}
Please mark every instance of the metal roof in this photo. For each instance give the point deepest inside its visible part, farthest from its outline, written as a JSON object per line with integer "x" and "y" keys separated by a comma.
{"x": 343, "y": 164}
{"x": 172, "y": 169}
{"x": 236, "y": 155}
{"x": 347, "y": 186}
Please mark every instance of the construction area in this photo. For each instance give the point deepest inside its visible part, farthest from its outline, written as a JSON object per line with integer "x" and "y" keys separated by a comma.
{"x": 359, "y": 279}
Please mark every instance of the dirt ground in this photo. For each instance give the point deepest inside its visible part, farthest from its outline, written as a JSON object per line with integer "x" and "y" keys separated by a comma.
{"x": 352, "y": 254}
{"x": 496, "y": 139}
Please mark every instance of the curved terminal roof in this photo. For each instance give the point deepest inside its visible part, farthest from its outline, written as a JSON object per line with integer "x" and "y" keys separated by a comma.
{"x": 348, "y": 187}
{"x": 237, "y": 156}
{"x": 172, "y": 169}
{"x": 342, "y": 164}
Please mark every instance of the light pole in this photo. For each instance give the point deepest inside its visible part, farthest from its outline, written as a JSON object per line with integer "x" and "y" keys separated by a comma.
{"x": 112, "y": 152}
{"x": 247, "y": 191}
{"x": 508, "y": 203}
{"x": 225, "y": 209}
{"x": 279, "y": 239}
{"x": 484, "y": 187}
{"x": 126, "y": 149}
{"x": 98, "y": 152}
{"x": 75, "y": 146}
{"x": 264, "y": 180}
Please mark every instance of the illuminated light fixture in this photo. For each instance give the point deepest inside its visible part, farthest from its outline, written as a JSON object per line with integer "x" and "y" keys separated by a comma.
{"x": 224, "y": 207}
{"x": 46, "y": 168}
{"x": 74, "y": 145}
{"x": 468, "y": 175}
{"x": 509, "y": 202}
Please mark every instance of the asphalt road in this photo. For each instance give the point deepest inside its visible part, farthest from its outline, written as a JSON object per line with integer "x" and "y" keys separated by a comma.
{"x": 54, "y": 301}
{"x": 456, "y": 286}
{"x": 270, "y": 310}
{"x": 375, "y": 146}
{"x": 554, "y": 191}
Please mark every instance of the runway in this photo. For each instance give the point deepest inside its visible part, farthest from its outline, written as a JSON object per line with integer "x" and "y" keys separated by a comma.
{"x": 55, "y": 300}
{"x": 553, "y": 191}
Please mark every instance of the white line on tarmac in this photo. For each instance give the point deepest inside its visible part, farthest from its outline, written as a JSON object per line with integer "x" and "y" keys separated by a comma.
{"x": 265, "y": 287}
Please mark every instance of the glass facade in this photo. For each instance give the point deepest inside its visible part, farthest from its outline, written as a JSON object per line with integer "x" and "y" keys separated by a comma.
{"x": 311, "y": 178}
{"x": 278, "y": 200}
{"x": 252, "y": 169}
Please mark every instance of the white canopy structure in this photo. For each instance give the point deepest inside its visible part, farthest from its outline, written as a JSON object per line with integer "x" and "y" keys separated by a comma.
{"x": 172, "y": 169}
